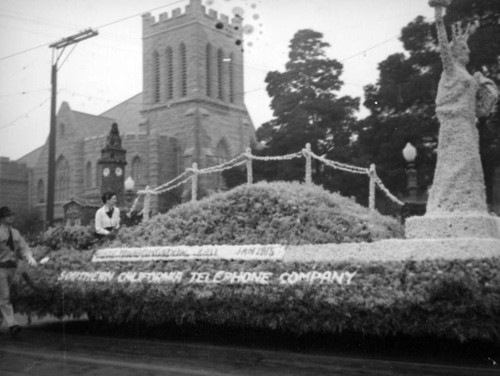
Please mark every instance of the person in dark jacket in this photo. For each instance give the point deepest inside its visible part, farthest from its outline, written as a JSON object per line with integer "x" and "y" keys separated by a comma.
{"x": 12, "y": 248}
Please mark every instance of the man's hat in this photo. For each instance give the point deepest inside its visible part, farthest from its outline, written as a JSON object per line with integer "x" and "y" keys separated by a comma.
{"x": 5, "y": 212}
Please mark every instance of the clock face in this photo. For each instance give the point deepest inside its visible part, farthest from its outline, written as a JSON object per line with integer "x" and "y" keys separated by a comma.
{"x": 118, "y": 171}
{"x": 105, "y": 172}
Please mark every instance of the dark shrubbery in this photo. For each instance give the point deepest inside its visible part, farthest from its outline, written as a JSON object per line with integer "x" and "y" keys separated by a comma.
{"x": 264, "y": 213}
{"x": 72, "y": 237}
{"x": 447, "y": 299}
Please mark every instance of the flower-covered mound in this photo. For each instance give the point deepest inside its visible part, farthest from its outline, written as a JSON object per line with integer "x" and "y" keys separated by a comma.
{"x": 264, "y": 213}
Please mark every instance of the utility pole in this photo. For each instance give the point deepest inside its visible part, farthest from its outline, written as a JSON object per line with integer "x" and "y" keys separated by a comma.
{"x": 63, "y": 43}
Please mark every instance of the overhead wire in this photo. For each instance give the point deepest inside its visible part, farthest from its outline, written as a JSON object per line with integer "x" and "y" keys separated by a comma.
{"x": 48, "y": 43}
{"x": 369, "y": 48}
{"x": 24, "y": 51}
{"x": 24, "y": 92}
{"x": 98, "y": 27}
{"x": 151, "y": 10}
{"x": 10, "y": 123}
{"x": 139, "y": 14}
{"x": 17, "y": 16}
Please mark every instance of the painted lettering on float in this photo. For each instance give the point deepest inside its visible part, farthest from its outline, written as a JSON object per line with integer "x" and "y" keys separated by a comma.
{"x": 329, "y": 277}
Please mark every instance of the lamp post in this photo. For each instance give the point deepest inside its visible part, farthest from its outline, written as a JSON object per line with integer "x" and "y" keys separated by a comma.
{"x": 129, "y": 186}
{"x": 410, "y": 154}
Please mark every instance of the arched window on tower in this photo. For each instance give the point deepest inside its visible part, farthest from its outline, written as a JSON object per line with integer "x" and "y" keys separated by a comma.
{"x": 137, "y": 170}
{"x": 231, "y": 78}
{"x": 220, "y": 74}
{"x": 221, "y": 155}
{"x": 40, "y": 191}
{"x": 183, "y": 56}
{"x": 208, "y": 70}
{"x": 170, "y": 73}
{"x": 156, "y": 77}
{"x": 88, "y": 175}
{"x": 62, "y": 186}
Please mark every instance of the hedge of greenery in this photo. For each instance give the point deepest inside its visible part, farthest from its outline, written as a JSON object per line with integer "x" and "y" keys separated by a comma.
{"x": 73, "y": 237}
{"x": 457, "y": 299}
{"x": 80, "y": 237}
{"x": 264, "y": 213}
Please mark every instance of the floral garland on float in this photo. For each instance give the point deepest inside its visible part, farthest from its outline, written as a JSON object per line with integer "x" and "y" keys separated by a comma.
{"x": 225, "y": 252}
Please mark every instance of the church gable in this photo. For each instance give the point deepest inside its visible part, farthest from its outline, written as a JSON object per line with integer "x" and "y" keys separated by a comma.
{"x": 91, "y": 125}
{"x": 127, "y": 114}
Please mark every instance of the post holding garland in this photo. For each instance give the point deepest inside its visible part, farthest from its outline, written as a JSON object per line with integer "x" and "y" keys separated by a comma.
{"x": 248, "y": 155}
{"x": 246, "y": 158}
{"x": 194, "y": 182}
{"x": 307, "y": 155}
{"x": 371, "y": 197}
{"x": 147, "y": 204}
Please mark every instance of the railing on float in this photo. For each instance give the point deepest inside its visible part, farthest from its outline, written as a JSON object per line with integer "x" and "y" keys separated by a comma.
{"x": 192, "y": 173}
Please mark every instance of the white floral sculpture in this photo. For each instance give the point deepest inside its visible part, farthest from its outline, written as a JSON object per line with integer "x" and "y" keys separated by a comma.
{"x": 457, "y": 201}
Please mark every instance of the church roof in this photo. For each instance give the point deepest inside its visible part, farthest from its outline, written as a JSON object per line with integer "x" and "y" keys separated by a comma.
{"x": 92, "y": 125}
{"x": 127, "y": 114}
{"x": 31, "y": 159}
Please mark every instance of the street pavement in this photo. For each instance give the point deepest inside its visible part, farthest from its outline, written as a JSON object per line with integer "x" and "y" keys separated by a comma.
{"x": 45, "y": 351}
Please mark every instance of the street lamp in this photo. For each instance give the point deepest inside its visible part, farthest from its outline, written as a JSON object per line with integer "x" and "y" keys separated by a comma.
{"x": 410, "y": 154}
{"x": 129, "y": 184}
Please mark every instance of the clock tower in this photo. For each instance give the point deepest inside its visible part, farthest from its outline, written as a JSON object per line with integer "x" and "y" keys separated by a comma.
{"x": 113, "y": 164}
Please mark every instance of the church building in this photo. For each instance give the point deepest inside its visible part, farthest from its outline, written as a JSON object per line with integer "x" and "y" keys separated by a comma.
{"x": 191, "y": 109}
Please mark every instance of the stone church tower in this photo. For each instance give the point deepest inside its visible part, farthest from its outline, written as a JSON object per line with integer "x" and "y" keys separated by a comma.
{"x": 193, "y": 92}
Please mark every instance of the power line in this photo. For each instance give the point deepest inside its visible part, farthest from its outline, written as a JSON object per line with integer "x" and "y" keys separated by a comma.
{"x": 52, "y": 24}
{"x": 99, "y": 27}
{"x": 17, "y": 16}
{"x": 139, "y": 14}
{"x": 369, "y": 48}
{"x": 89, "y": 97}
{"x": 24, "y": 51}
{"x": 23, "y": 93}
{"x": 26, "y": 114}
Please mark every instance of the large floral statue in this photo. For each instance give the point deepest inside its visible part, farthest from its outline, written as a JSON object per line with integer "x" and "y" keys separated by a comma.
{"x": 457, "y": 200}
{"x": 458, "y": 181}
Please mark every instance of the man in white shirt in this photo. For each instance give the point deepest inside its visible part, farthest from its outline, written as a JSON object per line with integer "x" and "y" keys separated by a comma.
{"x": 12, "y": 248}
{"x": 107, "y": 218}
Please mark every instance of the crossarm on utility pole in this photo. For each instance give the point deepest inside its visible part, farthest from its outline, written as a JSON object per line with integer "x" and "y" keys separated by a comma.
{"x": 51, "y": 178}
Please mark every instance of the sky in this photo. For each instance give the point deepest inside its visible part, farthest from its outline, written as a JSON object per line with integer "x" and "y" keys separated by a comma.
{"x": 105, "y": 70}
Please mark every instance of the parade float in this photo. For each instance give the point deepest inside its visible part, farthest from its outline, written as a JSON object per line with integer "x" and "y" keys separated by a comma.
{"x": 290, "y": 257}
{"x": 285, "y": 257}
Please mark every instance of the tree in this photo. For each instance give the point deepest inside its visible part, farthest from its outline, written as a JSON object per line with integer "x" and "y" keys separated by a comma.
{"x": 306, "y": 108}
{"x": 29, "y": 222}
{"x": 401, "y": 103}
